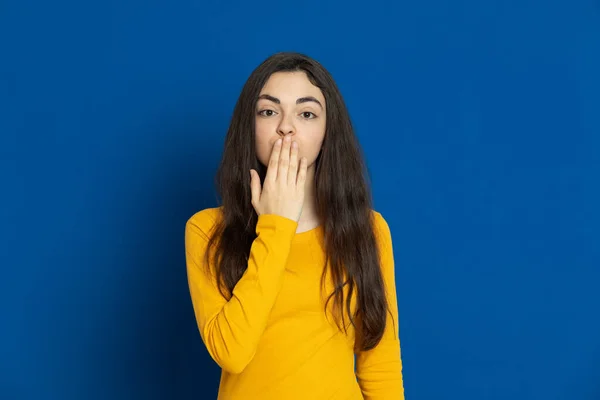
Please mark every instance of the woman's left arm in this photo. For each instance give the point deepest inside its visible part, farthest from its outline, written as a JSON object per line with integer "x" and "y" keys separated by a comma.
{"x": 379, "y": 370}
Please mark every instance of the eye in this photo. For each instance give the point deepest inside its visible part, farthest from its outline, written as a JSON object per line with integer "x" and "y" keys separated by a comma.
{"x": 266, "y": 113}
{"x": 307, "y": 115}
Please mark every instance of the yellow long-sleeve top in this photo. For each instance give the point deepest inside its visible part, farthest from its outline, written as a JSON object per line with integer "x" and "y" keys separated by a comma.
{"x": 272, "y": 339}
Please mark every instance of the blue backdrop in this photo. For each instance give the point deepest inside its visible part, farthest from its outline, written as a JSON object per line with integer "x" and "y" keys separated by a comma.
{"x": 481, "y": 126}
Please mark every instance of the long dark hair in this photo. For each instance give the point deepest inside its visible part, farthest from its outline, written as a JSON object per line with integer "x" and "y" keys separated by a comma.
{"x": 343, "y": 202}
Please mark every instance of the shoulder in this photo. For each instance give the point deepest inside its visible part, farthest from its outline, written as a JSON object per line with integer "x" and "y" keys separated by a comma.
{"x": 379, "y": 222}
{"x": 204, "y": 220}
{"x": 381, "y": 229}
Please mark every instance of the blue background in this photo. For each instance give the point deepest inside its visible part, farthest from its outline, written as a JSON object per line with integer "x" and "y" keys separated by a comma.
{"x": 480, "y": 121}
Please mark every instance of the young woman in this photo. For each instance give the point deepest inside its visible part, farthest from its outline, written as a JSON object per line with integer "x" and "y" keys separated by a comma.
{"x": 292, "y": 276}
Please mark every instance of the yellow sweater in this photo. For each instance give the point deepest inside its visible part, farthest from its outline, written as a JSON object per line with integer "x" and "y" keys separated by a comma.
{"x": 272, "y": 340}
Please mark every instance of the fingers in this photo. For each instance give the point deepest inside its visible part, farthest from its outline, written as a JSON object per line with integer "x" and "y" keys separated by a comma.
{"x": 273, "y": 162}
{"x": 255, "y": 187}
{"x": 302, "y": 174}
{"x": 293, "y": 168}
{"x": 284, "y": 161}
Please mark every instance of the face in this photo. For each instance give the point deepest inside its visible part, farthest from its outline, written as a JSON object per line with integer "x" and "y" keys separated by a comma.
{"x": 289, "y": 104}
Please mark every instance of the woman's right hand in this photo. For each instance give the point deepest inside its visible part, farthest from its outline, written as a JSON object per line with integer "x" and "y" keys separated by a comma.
{"x": 283, "y": 189}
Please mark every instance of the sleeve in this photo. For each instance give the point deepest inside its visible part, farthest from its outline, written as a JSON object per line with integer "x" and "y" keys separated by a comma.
{"x": 379, "y": 370}
{"x": 231, "y": 330}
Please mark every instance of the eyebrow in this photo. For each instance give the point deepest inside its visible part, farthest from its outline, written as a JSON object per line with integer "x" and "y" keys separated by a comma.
{"x": 299, "y": 101}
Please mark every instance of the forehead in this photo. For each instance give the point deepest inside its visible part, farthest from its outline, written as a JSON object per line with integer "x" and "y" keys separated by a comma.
{"x": 288, "y": 86}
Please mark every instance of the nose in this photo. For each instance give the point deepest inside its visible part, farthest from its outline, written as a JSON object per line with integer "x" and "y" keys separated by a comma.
{"x": 286, "y": 126}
